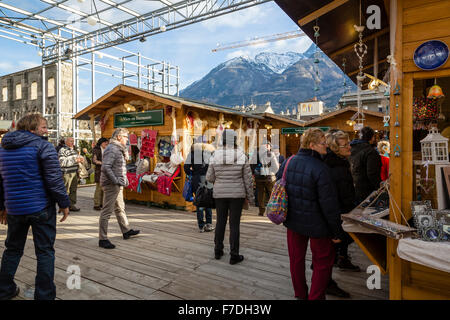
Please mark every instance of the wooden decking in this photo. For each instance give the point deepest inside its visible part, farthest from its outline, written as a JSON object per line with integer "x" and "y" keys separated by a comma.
{"x": 170, "y": 259}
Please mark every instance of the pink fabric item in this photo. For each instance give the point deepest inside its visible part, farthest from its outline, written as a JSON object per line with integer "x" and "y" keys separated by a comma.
{"x": 148, "y": 139}
{"x": 133, "y": 139}
{"x": 134, "y": 180}
{"x": 164, "y": 182}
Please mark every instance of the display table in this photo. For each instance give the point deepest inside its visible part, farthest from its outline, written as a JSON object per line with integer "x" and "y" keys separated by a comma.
{"x": 435, "y": 255}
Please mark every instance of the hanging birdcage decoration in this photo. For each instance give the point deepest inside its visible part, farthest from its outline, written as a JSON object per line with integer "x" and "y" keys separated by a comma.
{"x": 434, "y": 148}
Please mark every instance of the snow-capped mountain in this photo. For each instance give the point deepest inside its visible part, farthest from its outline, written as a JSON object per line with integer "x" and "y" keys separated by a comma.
{"x": 278, "y": 62}
{"x": 283, "y": 79}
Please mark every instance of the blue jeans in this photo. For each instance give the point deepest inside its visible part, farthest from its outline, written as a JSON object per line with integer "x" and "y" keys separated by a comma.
{"x": 208, "y": 216}
{"x": 43, "y": 226}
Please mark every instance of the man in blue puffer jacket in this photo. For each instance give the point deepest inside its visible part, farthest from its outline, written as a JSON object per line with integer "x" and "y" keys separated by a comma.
{"x": 30, "y": 185}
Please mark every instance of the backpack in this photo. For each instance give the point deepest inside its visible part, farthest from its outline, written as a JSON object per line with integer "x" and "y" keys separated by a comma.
{"x": 276, "y": 209}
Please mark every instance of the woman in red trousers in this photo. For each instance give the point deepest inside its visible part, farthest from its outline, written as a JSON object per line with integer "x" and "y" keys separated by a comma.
{"x": 313, "y": 215}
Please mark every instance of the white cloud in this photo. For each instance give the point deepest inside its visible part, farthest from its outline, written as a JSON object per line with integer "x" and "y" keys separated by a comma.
{"x": 239, "y": 19}
{"x": 28, "y": 64}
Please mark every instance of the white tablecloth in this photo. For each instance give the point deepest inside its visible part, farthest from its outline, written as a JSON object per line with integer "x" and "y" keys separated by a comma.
{"x": 435, "y": 255}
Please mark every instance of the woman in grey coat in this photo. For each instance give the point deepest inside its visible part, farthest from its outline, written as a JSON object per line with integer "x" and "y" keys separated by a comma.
{"x": 231, "y": 175}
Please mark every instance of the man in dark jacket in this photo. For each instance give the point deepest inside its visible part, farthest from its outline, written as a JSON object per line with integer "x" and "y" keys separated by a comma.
{"x": 365, "y": 164}
{"x": 97, "y": 155}
{"x": 30, "y": 185}
{"x": 196, "y": 166}
{"x": 69, "y": 160}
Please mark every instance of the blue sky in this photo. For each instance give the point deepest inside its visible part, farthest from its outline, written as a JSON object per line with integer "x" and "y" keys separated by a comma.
{"x": 188, "y": 47}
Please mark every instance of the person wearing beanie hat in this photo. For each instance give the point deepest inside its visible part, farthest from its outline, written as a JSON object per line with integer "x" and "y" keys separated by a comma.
{"x": 229, "y": 171}
{"x": 97, "y": 153}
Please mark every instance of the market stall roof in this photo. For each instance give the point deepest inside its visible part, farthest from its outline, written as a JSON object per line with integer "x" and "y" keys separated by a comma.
{"x": 337, "y": 112}
{"x": 121, "y": 92}
{"x": 283, "y": 118}
{"x": 336, "y": 19}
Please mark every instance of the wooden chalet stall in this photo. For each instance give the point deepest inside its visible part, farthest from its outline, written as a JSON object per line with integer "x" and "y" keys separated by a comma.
{"x": 338, "y": 120}
{"x": 138, "y": 110}
{"x": 406, "y": 28}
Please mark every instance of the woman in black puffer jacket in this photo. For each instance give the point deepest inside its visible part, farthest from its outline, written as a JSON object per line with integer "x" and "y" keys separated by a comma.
{"x": 336, "y": 158}
{"x": 313, "y": 215}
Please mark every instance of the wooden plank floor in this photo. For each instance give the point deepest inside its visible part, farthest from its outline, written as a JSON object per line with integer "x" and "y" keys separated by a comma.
{"x": 170, "y": 259}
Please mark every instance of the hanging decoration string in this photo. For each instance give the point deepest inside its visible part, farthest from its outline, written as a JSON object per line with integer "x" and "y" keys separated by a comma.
{"x": 316, "y": 57}
{"x": 360, "y": 49}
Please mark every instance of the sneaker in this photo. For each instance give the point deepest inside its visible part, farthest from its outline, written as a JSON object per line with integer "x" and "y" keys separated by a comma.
{"x": 236, "y": 259}
{"x": 106, "y": 244}
{"x": 130, "y": 233}
{"x": 218, "y": 254}
{"x": 334, "y": 290}
{"x": 209, "y": 227}
{"x": 73, "y": 208}
{"x": 12, "y": 295}
{"x": 345, "y": 264}
{"x": 98, "y": 208}
{"x": 201, "y": 230}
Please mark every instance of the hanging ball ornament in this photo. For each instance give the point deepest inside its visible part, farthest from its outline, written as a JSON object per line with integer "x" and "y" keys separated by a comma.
{"x": 92, "y": 21}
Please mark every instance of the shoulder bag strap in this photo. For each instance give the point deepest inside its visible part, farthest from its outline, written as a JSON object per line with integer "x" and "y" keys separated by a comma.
{"x": 283, "y": 178}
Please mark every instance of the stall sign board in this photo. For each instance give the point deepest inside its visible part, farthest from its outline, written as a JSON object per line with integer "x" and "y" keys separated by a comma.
{"x": 431, "y": 55}
{"x": 139, "y": 119}
{"x": 300, "y": 130}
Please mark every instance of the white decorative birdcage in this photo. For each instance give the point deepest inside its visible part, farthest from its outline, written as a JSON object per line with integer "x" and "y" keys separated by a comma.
{"x": 434, "y": 147}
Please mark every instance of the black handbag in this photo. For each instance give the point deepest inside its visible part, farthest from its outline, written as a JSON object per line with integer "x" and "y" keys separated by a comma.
{"x": 204, "y": 198}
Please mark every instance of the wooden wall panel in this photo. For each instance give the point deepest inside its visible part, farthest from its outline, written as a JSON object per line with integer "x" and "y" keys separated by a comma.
{"x": 425, "y": 13}
{"x": 417, "y": 3}
{"x": 426, "y": 30}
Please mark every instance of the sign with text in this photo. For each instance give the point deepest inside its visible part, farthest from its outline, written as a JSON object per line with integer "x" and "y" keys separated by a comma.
{"x": 300, "y": 129}
{"x": 139, "y": 119}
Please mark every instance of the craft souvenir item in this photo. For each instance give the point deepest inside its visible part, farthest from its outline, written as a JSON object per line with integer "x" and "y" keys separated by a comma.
{"x": 431, "y": 55}
{"x": 385, "y": 227}
{"x": 132, "y": 138}
{"x": 421, "y": 212}
{"x": 148, "y": 140}
{"x": 165, "y": 148}
{"x": 425, "y": 109}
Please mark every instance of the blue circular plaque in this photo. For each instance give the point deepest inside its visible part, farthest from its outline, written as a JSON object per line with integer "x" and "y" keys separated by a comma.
{"x": 431, "y": 55}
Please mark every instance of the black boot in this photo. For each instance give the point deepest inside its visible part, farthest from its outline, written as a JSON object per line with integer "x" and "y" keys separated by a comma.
{"x": 345, "y": 264}
{"x": 130, "y": 233}
{"x": 106, "y": 244}
{"x": 334, "y": 290}
{"x": 218, "y": 254}
{"x": 236, "y": 259}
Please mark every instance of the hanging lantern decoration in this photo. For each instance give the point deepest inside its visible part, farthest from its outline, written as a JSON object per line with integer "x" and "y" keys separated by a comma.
{"x": 435, "y": 92}
{"x": 434, "y": 148}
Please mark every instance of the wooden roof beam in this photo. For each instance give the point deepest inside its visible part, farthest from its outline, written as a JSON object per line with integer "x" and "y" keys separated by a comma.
{"x": 320, "y": 12}
{"x": 336, "y": 53}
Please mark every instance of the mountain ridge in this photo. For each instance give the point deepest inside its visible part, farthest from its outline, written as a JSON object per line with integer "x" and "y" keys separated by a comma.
{"x": 283, "y": 79}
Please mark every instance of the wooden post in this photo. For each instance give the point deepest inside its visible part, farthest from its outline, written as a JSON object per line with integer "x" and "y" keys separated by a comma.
{"x": 396, "y": 164}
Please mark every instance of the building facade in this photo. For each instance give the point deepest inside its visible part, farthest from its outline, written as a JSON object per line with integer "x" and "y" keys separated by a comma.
{"x": 27, "y": 91}
{"x": 309, "y": 109}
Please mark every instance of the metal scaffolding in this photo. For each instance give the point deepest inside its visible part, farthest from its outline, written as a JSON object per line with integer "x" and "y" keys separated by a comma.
{"x": 84, "y": 28}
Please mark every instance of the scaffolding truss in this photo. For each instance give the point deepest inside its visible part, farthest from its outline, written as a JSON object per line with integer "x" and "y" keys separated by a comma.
{"x": 74, "y": 31}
